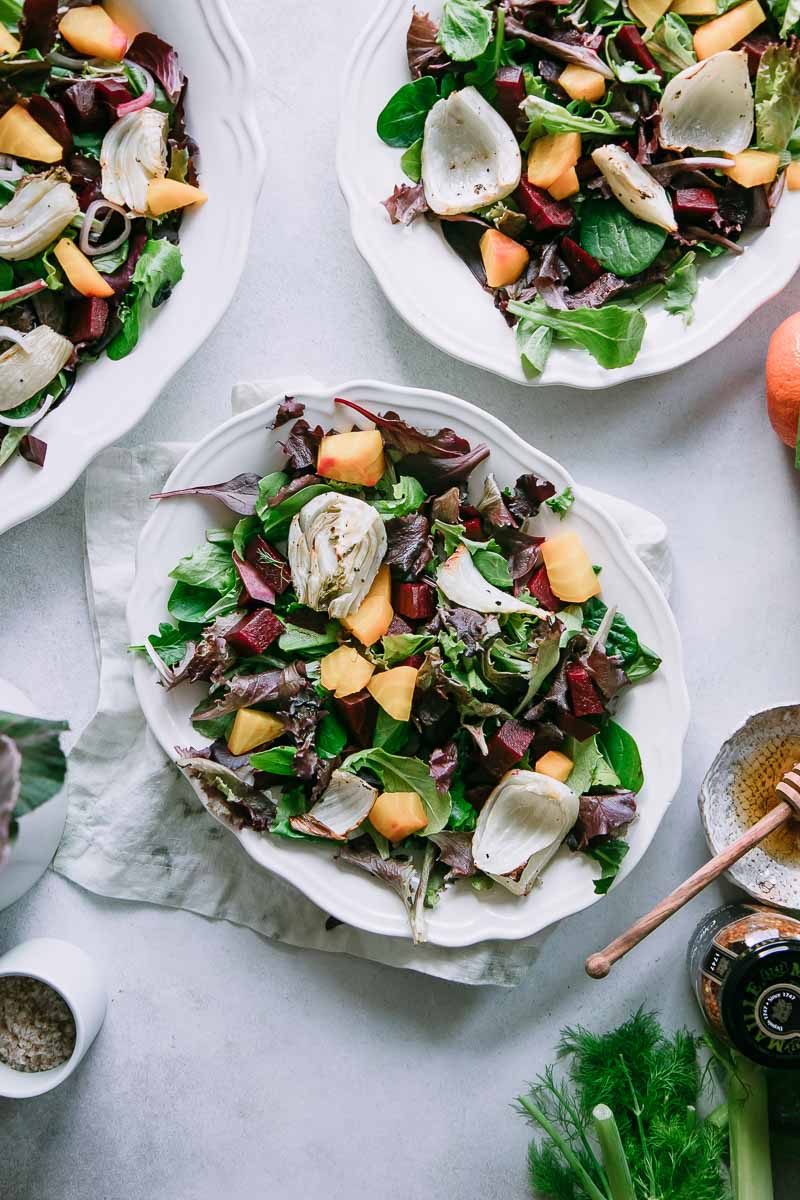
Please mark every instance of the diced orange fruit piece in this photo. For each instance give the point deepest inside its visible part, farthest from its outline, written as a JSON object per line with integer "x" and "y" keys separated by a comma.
{"x": 694, "y": 8}
{"x": 394, "y": 691}
{"x": 85, "y": 278}
{"x": 648, "y": 12}
{"x": 355, "y": 457}
{"x": 344, "y": 671}
{"x": 8, "y": 43}
{"x": 566, "y": 185}
{"x": 582, "y": 83}
{"x": 23, "y": 137}
{"x": 556, "y": 765}
{"x": 252, "y": 728}
{"x": 398, "y": 814}
{"x": 727, "y": 30}
{"x": 165, "y": 195}
{"x": 374, "y": 615}
{"x": 569, "y": 568}
{"x": 793, "y": 177}
{"x": 550, "y": 156}
{"x": 753, "y": 167}
{"x": 91, "y": 31}
{"x": 504, "y": 260}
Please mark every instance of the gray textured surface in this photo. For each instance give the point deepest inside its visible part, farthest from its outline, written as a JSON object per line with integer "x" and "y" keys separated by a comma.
{"x": 230, "y": 1066}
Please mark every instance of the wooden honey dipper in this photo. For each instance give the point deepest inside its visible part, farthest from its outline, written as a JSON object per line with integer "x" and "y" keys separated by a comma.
{"x": 598, "y": 965}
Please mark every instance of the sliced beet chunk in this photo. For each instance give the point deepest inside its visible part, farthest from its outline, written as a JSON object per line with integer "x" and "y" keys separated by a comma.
{"x": 510, "y": 84}
{"x": 254, "y": 633}
{"x": 88, "y": 319}
{"x": 257, "y": 589}
{"x": 507, "y": 747}
{"x": 398, "y": 626}
{"x": 583, "y": 267}
{"x": 270, "y": 562}
{"x": 413, "y": 660}
{"x": 417, "y": 601}
{"x": 545, "y": 214}
{"x": 630, "y": 43}
{"x": 694, "y": 204}
{"x": 585, "y": 698}
{"x": 358, "y": 712}
{"x": 539, "y": 587}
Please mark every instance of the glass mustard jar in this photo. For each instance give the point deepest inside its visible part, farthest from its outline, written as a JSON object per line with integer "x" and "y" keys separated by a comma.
{"x": 744, "y": 963}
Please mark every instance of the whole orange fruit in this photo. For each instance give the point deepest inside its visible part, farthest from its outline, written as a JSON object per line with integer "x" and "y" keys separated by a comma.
{"x": 783, "y": 379}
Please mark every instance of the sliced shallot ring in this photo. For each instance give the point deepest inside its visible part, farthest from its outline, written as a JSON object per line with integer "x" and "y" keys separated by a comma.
{"x": 147, "y": 97}
{"x": 86, "y": 229}
{"x": 7, "y": 334}
{"x": 33, "y": 419}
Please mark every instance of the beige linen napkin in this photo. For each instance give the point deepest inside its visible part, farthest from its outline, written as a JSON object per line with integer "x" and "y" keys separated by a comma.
{"x": 135, "y": 830}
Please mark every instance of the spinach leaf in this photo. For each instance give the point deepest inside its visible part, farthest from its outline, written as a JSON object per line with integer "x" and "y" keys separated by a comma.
{"x": 278, "y": 761}
{"x": 331, "y": 737}
{"x": 493, "y": 567}
{"x": 610, "y": 855}
{"x": 159, "y": 268}
{"x": 10, "y": 11}
{"x": 411, "y": 161}
{"x": 612, "y": 335}
{"x": 242, "y": 532}
{"x": 6, "y": 276}
{"x": 291, "y": 804}
{"x": 43, "y": 763}
{"x": 308, "y": 643}
{"x": 617, "y": 240}
{"x": 777, "y": 94}
{"x": 214, "y": 727}
{"x": 399, "y": 774}
{"x": 402, "y": 121}
{"x": 189, "y": 603}
{"x": 671, "y": 44}
{"x": 622, "y": 755}
{"x": 462, "y": 814}
{"x": 209, "y": 566}
{"x": 89, "y": 142}
{"x": 562, "y": 503}
{"x": 466, "y": 29}
{"x": 390, "y": 734}
{"x": 276, "y": 521}
{"x": 644, "y": 664}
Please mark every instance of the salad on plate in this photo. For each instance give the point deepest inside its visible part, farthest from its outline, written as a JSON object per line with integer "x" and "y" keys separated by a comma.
{"x": 402, "y": 664}
{"x": 585, "y": 157}
{"x": 96, "y": 169}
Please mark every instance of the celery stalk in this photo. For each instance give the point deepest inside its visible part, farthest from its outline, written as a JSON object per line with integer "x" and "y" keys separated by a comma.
{"x": 613, "y": 1155}
{"x": 751, "y": 1165}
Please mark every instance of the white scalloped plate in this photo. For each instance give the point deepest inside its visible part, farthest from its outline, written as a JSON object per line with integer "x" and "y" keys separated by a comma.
{"x": 656, "y": 712}
{"x": 429, "y": 286}
{"x": 110, "y": 397}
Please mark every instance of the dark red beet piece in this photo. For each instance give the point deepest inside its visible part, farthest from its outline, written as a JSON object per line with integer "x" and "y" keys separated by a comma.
{"x": 545, "y": 214}
{"x": 583, "y": 268}
{"x": 82, "y": 107}
{"x": 414, "y": 600}
{"x": 256, "y": 587}
{"x": 539, "y": 586}
{"x": 254, "y": 633}
{"x": 507, "y": 747}
{"x": 50, "y": 115}
{"x": 88, "y": 319}
{"x": 358, "y": 712}
{"x": 473, "y": 529}
{"x": 270, "y": 562}
{"x": 113, "y": 93}
{"x": 575, "y": 727}
{"x": 397, "y": 626}
{"x": 585, "y": 699}
{"x": 33, "y": 450}
{"x": 754, "y": 46}
{"x": 510, "y": 84}
{"x": 630, "y": 43}
{"x": 413, "y": 660}
{"x": 695, "y": 204}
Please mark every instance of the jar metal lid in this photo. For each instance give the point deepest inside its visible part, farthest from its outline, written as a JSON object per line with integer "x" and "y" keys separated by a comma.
{"x": 760, "y": 1005}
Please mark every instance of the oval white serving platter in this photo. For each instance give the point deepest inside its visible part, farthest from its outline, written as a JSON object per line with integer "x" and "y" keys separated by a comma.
{"x": 656, "y": 712}
{"x": 110, "y": 397}
{"x": 430, "y": 287}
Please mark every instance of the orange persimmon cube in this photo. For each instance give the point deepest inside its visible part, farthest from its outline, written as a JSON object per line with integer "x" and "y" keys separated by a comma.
{"x": 344, "y": 671}
{"x": 83, "y": 276}
{"x": 566, "y": 185}
{"x": 556, "y": 765}
{"x": 582, "y": 83}
{"x": 355, "y": 457}
{"x": 751, "y": 168}
{"x": 729, "y": 29}
{"x": 793, "y": 177}
{"x": 22, "y": 137}
{"x": 398, "y": 814}
{"x": 91, "y": 31}
{"x": 569, "y": 568}
{"x": 550, "y": 156}
{"x": 374, "y": 615}
{"x": 504, "y": 260}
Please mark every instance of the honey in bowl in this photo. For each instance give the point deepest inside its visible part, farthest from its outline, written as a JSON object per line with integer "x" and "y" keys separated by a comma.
{"x": 753, "y": 783}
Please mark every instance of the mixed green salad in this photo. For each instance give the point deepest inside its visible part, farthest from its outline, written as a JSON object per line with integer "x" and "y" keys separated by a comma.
{"x": 585, "y": 157}
{"x": 426, "y": 682}
{"x": 96, "y": 168}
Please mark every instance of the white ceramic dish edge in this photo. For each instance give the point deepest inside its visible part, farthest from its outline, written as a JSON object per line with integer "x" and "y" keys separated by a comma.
{"x": 184, "y": 324}
{"x": 730, "y": 290}
{"x": 343, "y": 894}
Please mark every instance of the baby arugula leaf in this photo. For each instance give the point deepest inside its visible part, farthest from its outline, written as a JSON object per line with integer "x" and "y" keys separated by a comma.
{"x": 612, "y": 335}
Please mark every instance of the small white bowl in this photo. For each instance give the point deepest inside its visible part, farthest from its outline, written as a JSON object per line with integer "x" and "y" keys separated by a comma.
{"x": 70, "y": 972}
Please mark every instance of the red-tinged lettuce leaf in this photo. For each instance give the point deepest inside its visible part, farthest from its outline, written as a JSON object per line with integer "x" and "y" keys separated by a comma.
{"x": 212, "y": 655}
{"x": 277, "y": 687}
{"x": 10, "y": 784}
{"x": 33, "y": 450}
{"x": 572, "y": 51}
{"x": 447, "y": 507}
{"x": 300, "y": 717}
{"x": 159, "y": 58}
{"x": 530, "y": 493}
{"x": 50, "y": 115}
{"x": 289, "y": 409}
{"x": 425, "y": 55}
{"x": 226, "y": 796}
{"x": 409, "y": 544}
{"x": 302, "y": 445}
{"x": 443, "y": 764}
{"x": 406, "y": 203}
{"x": 434, "y": 471}
{"x": 606, "y": 672}
{"x": 238, "y": 494}
{"x": 492, "y": 506}
{"x": 403, "y": 437}
{"x": 471, "y": 627}
{"x": 455, "y": 851}
{"x": 292, "y": 488}
{"x": 400, "y": 873}
{"x": 38, "y": 25}
{"x": 524, "y": 555}
{"x": 599, "y": 816}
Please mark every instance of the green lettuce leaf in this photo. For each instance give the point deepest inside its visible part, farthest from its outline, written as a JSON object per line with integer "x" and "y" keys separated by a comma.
{"x": 545, "y": 116}
{"x": 612, "y": 335}
{"x": 777, "y": 95}
{"x": 159, "y": 268}
{"x": 400, "y": 774}
{"x": 43, "y": 763}
{"x": 671, "y": 44}
{"x": 610, "y": 855}
{"x": 466, "y": 29}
